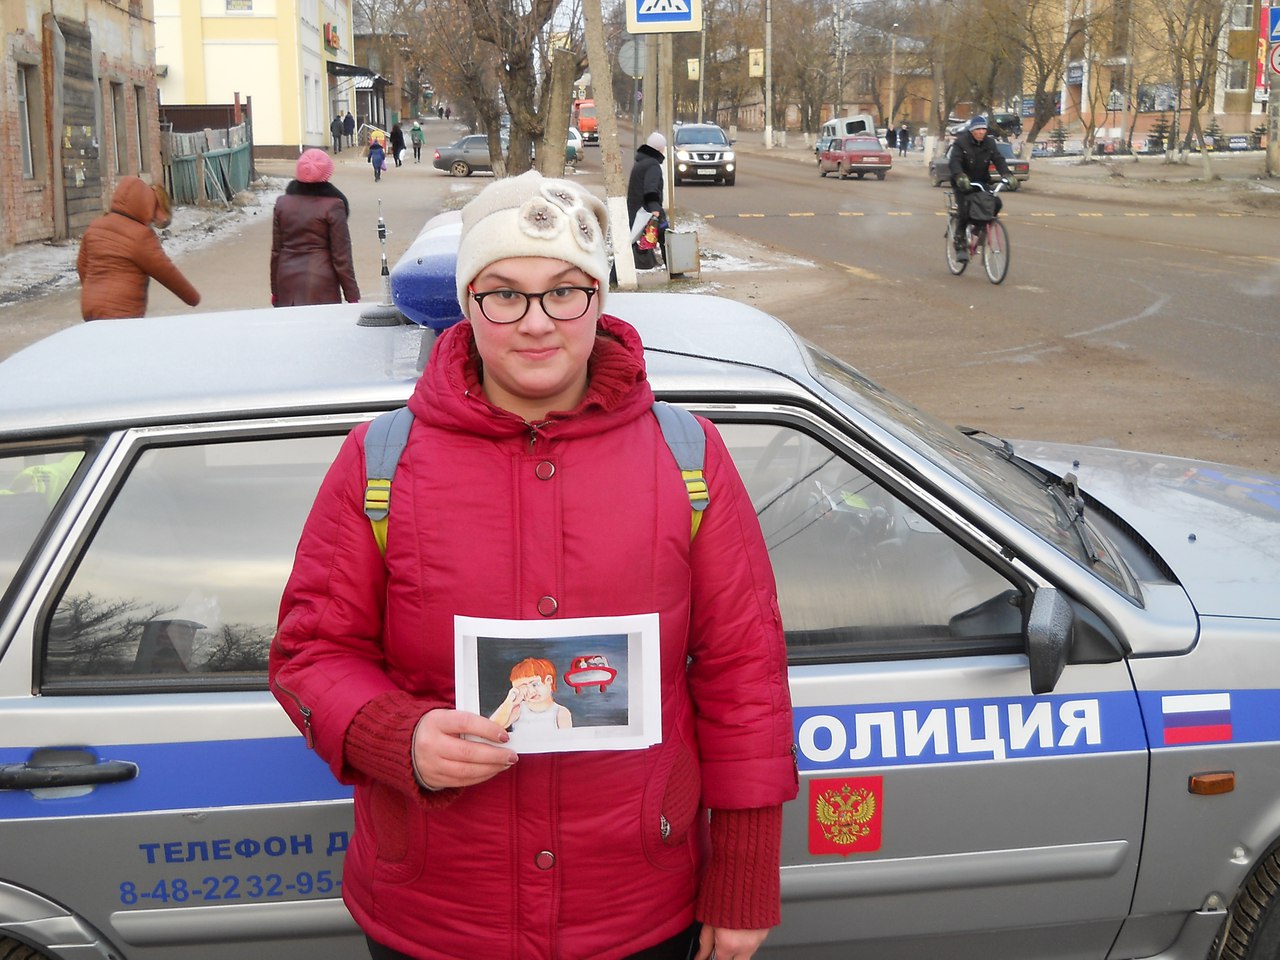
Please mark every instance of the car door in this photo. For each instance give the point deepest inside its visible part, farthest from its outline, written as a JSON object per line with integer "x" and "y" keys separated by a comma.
{"x": 149, "y": 783}
{"x": 944, "y": 810}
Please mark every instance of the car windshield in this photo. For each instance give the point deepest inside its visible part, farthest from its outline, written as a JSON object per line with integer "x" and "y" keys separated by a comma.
{"x": 865, "y": 143}
{"x": 988, "y": 468}
{"x": 701, "y": 135}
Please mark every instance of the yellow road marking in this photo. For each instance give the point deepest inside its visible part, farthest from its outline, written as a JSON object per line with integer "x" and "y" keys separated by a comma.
{"x": 1137, "y": 214}
{"x": 859, "y": 272}
{"x": 801, "y": 214}
{"x": 899, "y": 213}
{"x": 1182, "y": 214}
{"x": 851, "y": 213}
{"x": 745, "y": 216}
{"x": 1088, "y": 214}
{"x": 1043, "y": 214}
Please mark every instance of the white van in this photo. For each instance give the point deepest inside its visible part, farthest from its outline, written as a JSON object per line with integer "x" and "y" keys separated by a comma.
{"x": 854, "y": 123}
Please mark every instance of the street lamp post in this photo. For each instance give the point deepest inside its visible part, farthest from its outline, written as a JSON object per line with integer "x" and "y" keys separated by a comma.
{"x": 768, "y": 74}
{"x": 893, "y": 68}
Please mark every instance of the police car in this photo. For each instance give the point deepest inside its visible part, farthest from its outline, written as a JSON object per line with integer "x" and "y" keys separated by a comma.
{"x": 1036, "y": 688}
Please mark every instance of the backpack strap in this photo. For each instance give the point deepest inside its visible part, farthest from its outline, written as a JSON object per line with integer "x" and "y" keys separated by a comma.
{"x": 688, "y": 443}
{"x": 389, "y": 432}
{"x": 383, "y": 445}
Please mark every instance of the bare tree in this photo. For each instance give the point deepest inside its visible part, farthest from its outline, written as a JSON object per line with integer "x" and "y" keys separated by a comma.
{"x": 1188, "y": 33}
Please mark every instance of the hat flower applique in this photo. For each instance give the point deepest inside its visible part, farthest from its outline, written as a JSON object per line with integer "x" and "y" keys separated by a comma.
{"x": 585, "y": 229}
{"x": 540, "y": 219}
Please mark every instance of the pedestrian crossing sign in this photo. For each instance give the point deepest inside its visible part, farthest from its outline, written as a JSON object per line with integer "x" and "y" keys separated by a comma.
{"x": 664, "y": 16}
{"x": 1273, "y": 25}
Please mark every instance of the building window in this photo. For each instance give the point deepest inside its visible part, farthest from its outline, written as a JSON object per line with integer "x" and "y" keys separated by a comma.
{"x": 120, "y": 126}
{"x": 1157, "y": 97}
{"x": 1239, "y": 74}
{"x": 28, "y": 86}
{"x": 142, "y": 116}
{"x": 1242, "y": 15}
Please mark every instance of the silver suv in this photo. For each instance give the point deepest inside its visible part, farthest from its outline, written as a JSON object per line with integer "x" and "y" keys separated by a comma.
{"x": 703, "y": 151}
{"x": 1036, "y": 688}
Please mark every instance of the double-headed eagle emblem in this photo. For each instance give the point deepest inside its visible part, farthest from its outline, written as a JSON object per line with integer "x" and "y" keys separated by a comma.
{"x": 844, "y": 813}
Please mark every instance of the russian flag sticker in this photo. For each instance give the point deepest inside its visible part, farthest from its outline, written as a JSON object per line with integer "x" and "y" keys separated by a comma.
{"x": 1196, "y": 718}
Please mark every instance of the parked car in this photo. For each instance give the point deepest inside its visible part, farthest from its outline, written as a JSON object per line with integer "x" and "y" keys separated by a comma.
{"x": 1036, "y": 686}
{"x": 1019, "y": 169}
{"x": 855, "y": 156}
{"x": 822, "y": 143}
{"x": 464, "y": 157}
{"x": 575, "y": 146}
{"x": 703, "y": 151}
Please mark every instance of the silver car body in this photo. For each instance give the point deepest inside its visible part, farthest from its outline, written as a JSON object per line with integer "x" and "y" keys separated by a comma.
{"x": 929, "y": 584}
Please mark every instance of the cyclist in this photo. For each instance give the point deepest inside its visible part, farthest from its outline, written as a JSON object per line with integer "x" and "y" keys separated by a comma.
{"x": 971, "y": 156}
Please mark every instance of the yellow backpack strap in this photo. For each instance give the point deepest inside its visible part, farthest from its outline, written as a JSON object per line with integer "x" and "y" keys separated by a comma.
{"x": 383, "y": 445}
{"x": 688, "y": 444}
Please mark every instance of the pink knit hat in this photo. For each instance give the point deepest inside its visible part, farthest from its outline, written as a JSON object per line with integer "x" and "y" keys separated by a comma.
{"x": 314, "y": 166}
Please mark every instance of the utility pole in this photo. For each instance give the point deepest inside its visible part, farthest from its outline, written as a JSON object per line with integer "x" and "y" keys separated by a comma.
{"x": 893, "y": 70}
{"x": 768, "y": 74}
{"x": 615, "y": 187}
{"x": 1273, "y": 107}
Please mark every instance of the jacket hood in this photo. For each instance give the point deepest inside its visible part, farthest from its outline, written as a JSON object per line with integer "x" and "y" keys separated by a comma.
{"x": 648, "y": 151}
{"x": 134, "y": 199}
{"x": 449, "y": 393}
{"x": 1217, "y": 527}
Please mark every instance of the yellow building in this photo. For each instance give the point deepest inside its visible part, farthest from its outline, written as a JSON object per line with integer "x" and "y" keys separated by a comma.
{"x": 291, "y": 59}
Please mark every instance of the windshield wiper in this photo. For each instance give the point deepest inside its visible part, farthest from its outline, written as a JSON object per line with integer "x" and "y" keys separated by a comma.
{"x": 1001, "y": 445}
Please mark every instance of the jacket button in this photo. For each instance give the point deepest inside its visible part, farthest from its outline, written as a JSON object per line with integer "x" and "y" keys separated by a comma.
{"x": 545, "y": 860}
{"x": 545, "y": 470}
{"x": 547, "y": 606}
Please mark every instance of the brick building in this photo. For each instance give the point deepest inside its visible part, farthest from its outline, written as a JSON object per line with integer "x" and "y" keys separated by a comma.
{"x": 77, "y": 112}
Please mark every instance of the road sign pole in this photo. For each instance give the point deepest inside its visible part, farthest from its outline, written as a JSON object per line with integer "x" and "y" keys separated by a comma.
{"x": 1273, "y": 110}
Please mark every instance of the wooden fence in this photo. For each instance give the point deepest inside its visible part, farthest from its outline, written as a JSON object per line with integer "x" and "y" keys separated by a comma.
{"x": 208, "y": 166}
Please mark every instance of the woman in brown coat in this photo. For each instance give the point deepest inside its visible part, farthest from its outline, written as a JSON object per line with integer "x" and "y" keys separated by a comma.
{"x": 120, "y": 253}
{"x": 310, "y": 245}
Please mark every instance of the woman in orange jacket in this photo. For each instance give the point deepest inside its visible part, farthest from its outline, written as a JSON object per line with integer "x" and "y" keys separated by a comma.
{"x": 120, "y": 253}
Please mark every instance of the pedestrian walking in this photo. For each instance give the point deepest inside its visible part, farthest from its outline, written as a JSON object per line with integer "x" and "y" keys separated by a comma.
{"x": 120, "y": 253}
{"x": 416, "y": 137}
{"x": 448, "y": 113}
{"x": 529, "y": 407}
{"x": 645, "y": 186}
{"x": 904, "y": 139}
{"x": 349, "y": 128}
{"x": 377, "y": 157}
{"x": 311, "y": 258}
{"x": 440, "y": 111}
{"x": 335, "y": 133}
{"x": 397, "y": 144}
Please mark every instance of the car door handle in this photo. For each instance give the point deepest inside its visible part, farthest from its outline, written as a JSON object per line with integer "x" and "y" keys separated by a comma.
{"x": 23, "y": 776}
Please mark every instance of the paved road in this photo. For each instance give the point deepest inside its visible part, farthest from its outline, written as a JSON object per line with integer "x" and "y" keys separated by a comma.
{"x": 1125, "y": 322}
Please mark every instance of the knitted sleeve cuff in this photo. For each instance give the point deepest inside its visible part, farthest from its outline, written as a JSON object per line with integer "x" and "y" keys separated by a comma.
{"x": 379, "y": 745}
{"x": 741, "y": 888}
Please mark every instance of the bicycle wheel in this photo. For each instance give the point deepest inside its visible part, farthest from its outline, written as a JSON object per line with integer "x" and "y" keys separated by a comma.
{"x": 954, "y": 263}
{"x": 995, "y": 252}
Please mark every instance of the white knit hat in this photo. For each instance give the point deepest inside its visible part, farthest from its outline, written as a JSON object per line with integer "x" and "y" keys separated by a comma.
{"x": 657, "y": 141}
{"x": 532, "y": 216}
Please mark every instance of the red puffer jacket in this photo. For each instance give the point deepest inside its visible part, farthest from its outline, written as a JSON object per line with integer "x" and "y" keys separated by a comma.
{"x": 120, "y": 253}
{"x": 311, "y": 247}
{"x": 570, "y": 855}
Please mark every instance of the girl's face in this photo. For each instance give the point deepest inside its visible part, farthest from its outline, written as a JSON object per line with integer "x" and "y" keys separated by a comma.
{"x": 537, "y": 364}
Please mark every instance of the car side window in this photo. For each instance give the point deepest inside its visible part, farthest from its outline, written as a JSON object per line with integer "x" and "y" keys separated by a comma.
{"x": 31, "y": 483}
{"x": 183, "y": 573}
{"x": 861, "y": 573}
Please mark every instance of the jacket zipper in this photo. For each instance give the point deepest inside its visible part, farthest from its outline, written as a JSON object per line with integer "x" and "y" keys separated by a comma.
{"x": 304, "y": 710}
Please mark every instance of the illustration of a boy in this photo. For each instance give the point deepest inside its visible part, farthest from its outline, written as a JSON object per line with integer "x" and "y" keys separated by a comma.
{"x": 530, "y": 710}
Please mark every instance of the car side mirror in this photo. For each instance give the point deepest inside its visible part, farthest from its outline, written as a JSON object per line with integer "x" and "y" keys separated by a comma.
{"x": 1049, "y": 630}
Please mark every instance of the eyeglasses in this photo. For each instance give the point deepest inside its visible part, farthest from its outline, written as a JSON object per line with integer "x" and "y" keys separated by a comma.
{"x": 508, "y": 306}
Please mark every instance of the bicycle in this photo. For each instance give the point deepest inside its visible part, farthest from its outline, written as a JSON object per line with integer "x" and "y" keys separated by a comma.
{"x": 990, "y": 237}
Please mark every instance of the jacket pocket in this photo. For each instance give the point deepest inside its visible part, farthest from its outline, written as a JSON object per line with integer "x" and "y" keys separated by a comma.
{"x": 399, "y": 834}
{"x": 671, "y": 806}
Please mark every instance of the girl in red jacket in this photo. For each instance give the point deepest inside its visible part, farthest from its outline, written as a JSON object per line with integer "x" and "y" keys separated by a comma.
{"x": 533, "y": 415}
